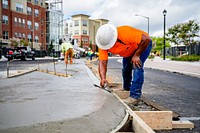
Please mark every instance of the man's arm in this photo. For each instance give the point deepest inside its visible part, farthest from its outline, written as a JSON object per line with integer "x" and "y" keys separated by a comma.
{"x": 141, "y": 47}
{"x": 102, "y": 72}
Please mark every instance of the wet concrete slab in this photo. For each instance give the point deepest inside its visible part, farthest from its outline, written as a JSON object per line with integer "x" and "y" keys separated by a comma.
{"x": 42, "y": 102}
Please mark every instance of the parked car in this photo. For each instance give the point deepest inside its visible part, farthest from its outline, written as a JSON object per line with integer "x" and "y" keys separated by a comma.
{"x": 9, "y": 54}
{"x": 21, "y": 53}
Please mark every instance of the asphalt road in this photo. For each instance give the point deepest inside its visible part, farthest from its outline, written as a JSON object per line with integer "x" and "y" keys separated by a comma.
{"x": 20, "y": 65}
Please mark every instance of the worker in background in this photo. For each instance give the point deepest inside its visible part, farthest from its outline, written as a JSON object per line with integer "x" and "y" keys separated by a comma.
{"x": 90, "y": 53}
{"x": 134, "y": 46}
{"x": 67, "y": 48}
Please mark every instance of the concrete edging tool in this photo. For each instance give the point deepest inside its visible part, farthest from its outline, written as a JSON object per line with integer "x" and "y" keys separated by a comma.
{"x": 106, "y": 88}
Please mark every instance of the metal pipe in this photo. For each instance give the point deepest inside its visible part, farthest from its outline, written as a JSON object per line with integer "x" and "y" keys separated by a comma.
{"x": 8, "y": 69}
{"x": 54, "y": 65}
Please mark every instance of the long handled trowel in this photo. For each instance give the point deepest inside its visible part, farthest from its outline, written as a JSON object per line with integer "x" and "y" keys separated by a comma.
{"x": 106, "y": 88}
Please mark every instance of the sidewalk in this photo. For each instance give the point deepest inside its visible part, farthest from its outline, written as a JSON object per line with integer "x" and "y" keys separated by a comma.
{"x": 43, "y": 102}
{"x": 186, "y": 68}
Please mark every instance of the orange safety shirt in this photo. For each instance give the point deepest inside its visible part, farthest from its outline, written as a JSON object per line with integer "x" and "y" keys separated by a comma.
{"x": 130, "y": 39}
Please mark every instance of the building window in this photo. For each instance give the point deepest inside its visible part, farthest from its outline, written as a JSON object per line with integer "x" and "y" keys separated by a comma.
{"x": 36, "y": 12}
{"x": 20, "y": 35}
{"x": 29, "y": 38}
{"x": 41, "y": 3}
{"x": 19, "y": 7}
{"x": 85, "y": 40}
{"x": 29, "y": 11}
{"x": 5, "y": 34}
{"x": 5, "y": 4}
{"x": 23, "y": 22}
{"x": 36, "y": 1}
{"x": 84, "y": 32}
{"x": 36, "y": 39}
{"x": 36, "y": 26}
{"x": 85, "y": 23}
{"x": 23, "y": 36}
{"x": 70, "y": 25}
{"x": 76, "y": 32}
{"x": 29, "y": 23}
{"x": 15, "y": 21}
{"x": 76, "y": 23}
{"x": 16, "y": 35}
{"x": 20, "y": 21}
{"x": 5, "y": 19}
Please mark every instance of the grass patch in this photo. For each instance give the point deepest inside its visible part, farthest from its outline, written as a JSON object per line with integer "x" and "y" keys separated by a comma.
{"x": 186, "y": 58}
{"x": 151, "y": 57}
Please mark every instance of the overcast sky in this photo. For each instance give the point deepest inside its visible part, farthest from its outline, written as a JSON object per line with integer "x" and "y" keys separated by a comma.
{"x": 122, "y": 12}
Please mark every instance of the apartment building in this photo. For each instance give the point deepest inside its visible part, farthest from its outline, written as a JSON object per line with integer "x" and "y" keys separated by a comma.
{"x": 24, "y": 19}
{"x": 84, "y": 29}
{"x": 54, "y": 23}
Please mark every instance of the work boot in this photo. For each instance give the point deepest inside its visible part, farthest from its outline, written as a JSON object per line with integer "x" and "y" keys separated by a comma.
{"x": 131, "y": 101}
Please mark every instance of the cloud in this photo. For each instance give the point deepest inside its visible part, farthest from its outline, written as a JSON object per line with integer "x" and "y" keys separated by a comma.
{"x": 71, "y": 7}
{"x": 122, "y": 12}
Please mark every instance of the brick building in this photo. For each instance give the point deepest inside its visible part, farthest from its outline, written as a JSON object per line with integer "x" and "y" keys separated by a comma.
{"x": 24, "y": 19}
{"x": 83, "y": 29}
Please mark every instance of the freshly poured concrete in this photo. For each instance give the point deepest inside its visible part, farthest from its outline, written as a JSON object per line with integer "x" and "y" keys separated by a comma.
{"x": 42, "y": 102}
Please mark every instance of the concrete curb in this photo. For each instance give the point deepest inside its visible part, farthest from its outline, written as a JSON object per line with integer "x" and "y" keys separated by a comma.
{"x": 172, "y": 70}
{"x": 178, "y": 72}
{"x": 22, "y": 73}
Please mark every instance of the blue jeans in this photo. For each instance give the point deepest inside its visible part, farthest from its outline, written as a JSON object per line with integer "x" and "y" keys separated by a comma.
{"x": 134, "y": 84}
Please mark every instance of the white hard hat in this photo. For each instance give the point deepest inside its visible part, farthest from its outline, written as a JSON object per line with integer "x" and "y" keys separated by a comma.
{"x": 106, "y": 36}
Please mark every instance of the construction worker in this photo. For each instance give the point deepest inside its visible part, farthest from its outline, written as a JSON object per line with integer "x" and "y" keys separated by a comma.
{"x": 134, "y": 46}
{"x": 67, "y": 49}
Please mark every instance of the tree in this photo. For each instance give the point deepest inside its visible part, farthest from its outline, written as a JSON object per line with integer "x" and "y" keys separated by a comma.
{"x": 24, "y": 43}
{"x": 14, "y": 42}
{"x": 158, "y": 44}
{"x": 173, "y": 34}
{"x": 183, "y": 33}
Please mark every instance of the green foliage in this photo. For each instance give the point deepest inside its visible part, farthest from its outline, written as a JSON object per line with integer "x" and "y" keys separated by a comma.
{"x": 151, "y": 57}
{"x": 158, "y": 44}
{"x": 187, "y": 58}
{"x": 14, "y": 43}
{"x": 24, "y": 43}
{"x": 183, "y": 33}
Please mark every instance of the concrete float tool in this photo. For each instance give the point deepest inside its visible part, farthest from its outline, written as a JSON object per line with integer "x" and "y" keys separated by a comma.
{"x": 106, "y": 88}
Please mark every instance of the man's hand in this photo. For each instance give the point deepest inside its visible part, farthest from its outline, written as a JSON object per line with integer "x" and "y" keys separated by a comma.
{"x": 103, "y": 83}
{"x": 141, "y": 48}
{"x": 102, "y": 72}
{"x": 136, "y": 61}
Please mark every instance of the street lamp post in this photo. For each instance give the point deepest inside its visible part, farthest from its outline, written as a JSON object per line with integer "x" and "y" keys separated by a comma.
{"x": 32, "y": 38}
{"x": 144, "y": 17}
{"x": 164, "y": 14}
